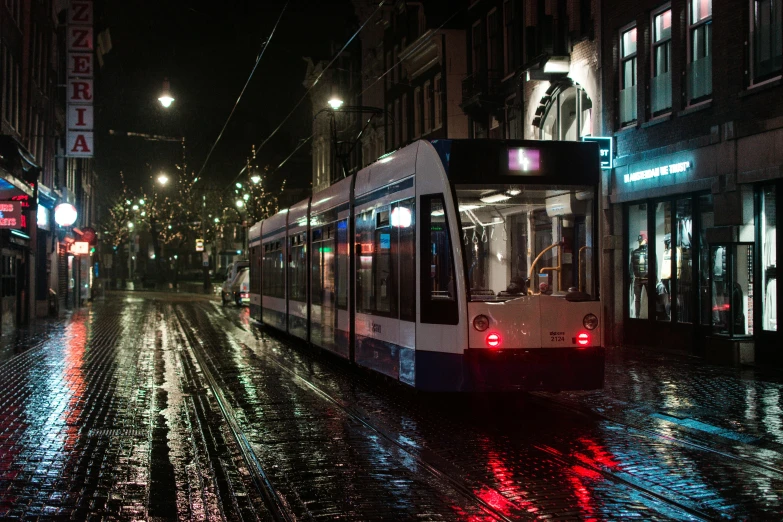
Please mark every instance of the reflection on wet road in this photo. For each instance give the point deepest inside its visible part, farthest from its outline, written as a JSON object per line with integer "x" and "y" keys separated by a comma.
{"x": 156, "y": 407}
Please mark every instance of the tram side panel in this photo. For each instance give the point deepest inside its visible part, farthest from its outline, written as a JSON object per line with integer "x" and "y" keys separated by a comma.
{"x": 329, "y": 278}
{"x": 273, "y": 272}
{"x": 298, "y": 266}
{"x": 384, "y": 220}
{"x": 441, "y": 331}
{"x": 256, "y": 258}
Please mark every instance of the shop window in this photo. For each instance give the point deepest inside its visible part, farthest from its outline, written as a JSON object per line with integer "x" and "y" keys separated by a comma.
{"x": 628, "y": 76}
{"x": 683, "y": 259}
{"x": 700, "y": 53}
{"x": 661, "y": 88}
{"x": 731, "y": 272}
{"x": 638, "y": 261}
{"x": 767, "y": 39}
{"x": 769, "y": 286}
{"x": 664, "y": 260}
{"x": 706, "y": 220}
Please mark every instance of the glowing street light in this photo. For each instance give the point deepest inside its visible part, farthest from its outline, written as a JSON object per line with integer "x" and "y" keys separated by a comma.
{"x": 163, "y": 179}
{"x": 335, "y": 103}
{"x": 165, "y": 98}
{"x": 130, "y": 225}
{"x": 141, "y": 202}
{"x": 256, "y": 179}
{"x": 135, "y": 207}
{"x": 245, "y": 196}
{"x": 240, "y": 203}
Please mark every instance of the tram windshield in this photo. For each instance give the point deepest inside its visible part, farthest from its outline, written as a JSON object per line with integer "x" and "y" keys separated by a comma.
{"x": 528, "y": 239}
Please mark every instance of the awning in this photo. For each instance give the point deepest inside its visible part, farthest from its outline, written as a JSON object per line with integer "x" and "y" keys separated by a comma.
{"x": 46, "y": 197}
{"x": 18, "y": 170}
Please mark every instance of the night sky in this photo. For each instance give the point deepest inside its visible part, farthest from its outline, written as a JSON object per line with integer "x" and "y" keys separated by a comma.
{"x": 207, "y": 50}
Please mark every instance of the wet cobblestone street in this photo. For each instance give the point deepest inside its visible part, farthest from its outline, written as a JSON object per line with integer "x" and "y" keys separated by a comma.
{"x": 165, "y": 407}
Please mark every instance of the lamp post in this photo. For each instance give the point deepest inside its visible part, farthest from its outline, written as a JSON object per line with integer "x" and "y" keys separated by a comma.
{"x": 343, "y": 149}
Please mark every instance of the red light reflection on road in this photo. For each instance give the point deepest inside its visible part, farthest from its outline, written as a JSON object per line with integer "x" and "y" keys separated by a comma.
{"x": 76, "y": 333}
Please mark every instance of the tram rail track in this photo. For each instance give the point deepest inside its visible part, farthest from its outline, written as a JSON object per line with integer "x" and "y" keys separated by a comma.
{"x": 439, "y": 469}
{"x": 276, "y": 504}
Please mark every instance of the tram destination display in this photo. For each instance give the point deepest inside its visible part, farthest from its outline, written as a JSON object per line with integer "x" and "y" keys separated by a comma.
{"x": 524, "y": 161}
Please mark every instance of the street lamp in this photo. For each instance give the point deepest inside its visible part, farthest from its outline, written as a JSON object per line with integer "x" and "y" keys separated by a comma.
{"x": 256, "y": 179}
{"x": 165, "y": 98}
{"x": 335, "y": 103}
{"x": 163, "y": 179}
{"x": 240, "y": 203}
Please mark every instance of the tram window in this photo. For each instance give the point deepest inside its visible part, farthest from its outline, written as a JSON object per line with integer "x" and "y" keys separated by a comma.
{"x": 438, "y": 291}
{"x": 376, "y": 273}
{"x": 255, "y": 272}
{"x": 531, "y": 239}
{"x": 297, "y": 272}
{"x": 342, "y": 265}
{"x": 316, "y": 268}
{"x": 403, "y": 219}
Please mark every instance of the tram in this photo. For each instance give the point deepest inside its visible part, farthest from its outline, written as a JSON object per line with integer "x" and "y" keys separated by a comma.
{"x": 451, "y": 265}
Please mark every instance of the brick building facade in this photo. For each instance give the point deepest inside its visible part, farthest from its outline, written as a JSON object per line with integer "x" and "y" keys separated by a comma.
{"x": 693, "y": 197}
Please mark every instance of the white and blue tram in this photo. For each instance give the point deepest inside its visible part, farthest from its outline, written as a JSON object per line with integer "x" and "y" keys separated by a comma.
{"x": 452, "y": 265}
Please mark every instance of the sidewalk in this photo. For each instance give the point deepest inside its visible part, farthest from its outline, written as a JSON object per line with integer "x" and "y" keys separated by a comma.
{"x": 724, "y": 404}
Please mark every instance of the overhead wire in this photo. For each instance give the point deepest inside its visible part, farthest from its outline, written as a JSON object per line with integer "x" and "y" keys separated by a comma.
{"x": 379, "y": 78}
{"x": 244, "y": 88}
{"x": 304, "y": 97}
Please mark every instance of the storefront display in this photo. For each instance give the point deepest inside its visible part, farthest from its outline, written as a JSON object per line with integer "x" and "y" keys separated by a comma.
{"x": 638, "y": 262}
{"x": 768, "y": 217}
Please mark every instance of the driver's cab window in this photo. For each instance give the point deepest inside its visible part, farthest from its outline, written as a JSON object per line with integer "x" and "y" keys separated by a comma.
{"x": 438, "y": 284}
{"x": 530, "y": 239}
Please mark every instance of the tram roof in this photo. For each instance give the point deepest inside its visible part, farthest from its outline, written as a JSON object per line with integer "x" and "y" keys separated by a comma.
{"x": 488, "y": 161}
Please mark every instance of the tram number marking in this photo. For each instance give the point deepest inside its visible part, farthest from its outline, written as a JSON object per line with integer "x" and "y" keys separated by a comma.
{"x": 557, "y": 337}
{"x": 376, "y": 328}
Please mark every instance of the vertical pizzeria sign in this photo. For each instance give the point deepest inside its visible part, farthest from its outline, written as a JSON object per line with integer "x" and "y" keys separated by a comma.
{"x": 81, "y": 73}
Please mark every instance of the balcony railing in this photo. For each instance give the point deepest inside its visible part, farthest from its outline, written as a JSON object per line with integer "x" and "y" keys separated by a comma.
{"x": 485, "y": 83}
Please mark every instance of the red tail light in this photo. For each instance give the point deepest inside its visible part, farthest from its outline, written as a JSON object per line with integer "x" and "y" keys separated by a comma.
{"x": 493, "y": 340}
{"x": 583, "y": 339}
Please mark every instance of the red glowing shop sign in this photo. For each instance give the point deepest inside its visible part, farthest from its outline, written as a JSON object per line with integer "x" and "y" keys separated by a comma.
{"x": 11, "y": 214}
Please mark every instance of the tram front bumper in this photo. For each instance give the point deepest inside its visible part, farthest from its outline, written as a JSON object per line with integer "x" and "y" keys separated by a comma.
{"x": 543, "y": 369}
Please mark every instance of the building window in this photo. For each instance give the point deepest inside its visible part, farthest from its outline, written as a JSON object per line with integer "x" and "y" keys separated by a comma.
{"x": 769, "y": 281}
{"x": 628, "y": 76}
{"x": 495, "y": 47}
{"x": 661, "y": 88}
{"x": 389, "y": 65}
{"x": 700, "y": 54}
{"x": 508, "y": 36}
{"x": 438, "y": 103}
{"x": 478, "y": 60}
{"x": 682, "y": 257}
{"x": 417, "y": 104}
{"x": 389, "y": 127}
{"x": 397, "y": 123}
{"x": 767, "y": 39}
{"x": 511, "y": 119}
{"x": 404, "y": 118}
{"x": 427, "y": 117}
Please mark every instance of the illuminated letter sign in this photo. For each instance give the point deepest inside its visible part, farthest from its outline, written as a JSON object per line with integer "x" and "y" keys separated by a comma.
{"x": 657, "y": 172}
{"x": 10, "y": 214}
{"x": 80, "y": 67}
{"x": 604, "y": 149}
{"x": 524, "y": 162}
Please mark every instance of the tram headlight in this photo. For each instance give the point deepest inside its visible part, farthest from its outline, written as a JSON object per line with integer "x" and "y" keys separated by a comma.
{"x": 481, "y": 323}
{"x": 590, "y": 322}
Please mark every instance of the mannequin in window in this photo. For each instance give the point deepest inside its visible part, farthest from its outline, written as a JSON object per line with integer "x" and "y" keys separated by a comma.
{"x": 720, "y": 300}
{"x": 664, "y": 287}
{"x": 638, "y": 271}
{"x": 770, "y": 317}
